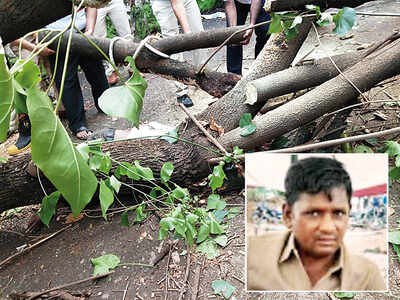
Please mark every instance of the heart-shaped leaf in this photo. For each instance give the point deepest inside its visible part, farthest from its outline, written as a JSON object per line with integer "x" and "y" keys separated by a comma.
{"x": 344, "y": 20}
{"x": 222, "y": 288}
{"x": 48, "y": 207}
{"x": 103, "y": 264}
{"x": 6, "y": 97}
{"x": 54, "y": 153}
{"x": 106, "y": 198}
{"x": 247, "y": 125}
{"x": 166, "y": 172}
{"x": 214, "y": 202}
{"x": 125, "y": 101}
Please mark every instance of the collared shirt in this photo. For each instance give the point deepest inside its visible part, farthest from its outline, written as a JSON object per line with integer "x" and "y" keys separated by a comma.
{"x": 274, "y": 264}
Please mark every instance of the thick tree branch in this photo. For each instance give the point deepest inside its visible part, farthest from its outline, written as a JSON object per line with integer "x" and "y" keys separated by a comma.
{"x": 325, "y": 98}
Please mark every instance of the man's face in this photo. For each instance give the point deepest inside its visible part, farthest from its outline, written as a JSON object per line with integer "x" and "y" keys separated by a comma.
{"x": 317, "y": 222}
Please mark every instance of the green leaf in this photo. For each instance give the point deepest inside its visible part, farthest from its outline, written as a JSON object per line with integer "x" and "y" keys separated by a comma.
{"x": 166, "y": 172}
{"x": 6, "y": 98}
{"x": 237, "y": 151}
{"x": 220, "y": 215}
{"x": 396, "y": 249}
{"x": 276, "y": 25}
{"x": 233, "y": 212}
{"x": 54, "y": 153}
{"x": 208, "y": 248}
{"x": 106, "y": 198}
{"x": 84, "y": 150}
{"x": 215, "y": 228}
{"x": 222, "y": 288}
{"x": 394, "y": 173}
{"x": 48, "y": 207}
{"x": 279, "y": 143}
{"x": 172, "y": 136}
{"x": 29, "y": 76}
{"x": 190, "y": 234}
{"x": 103, "y": 264}
{"x": 19, "y": 100}
{"x": 221, "y": 240}
{"x": 345, "y": 295}
{"x": 191, "y": 218}
{"x": 394, "y": 237}
{"x": 139, "y": 214}
{"x": 214, "y": 202}
{"x": 115, "y": 183}
{"x": 130, "y": 98}
{"x": 204, "y": 232}
{"x": 180, "y": 193}
{"x": 344, "y": 20}
{"x": 144, "y": 173}
{"x": 392, "y": 148}
{"x": 3, "y": 160}
{"x": 124, "y": 219}
{"x": 297, "y": 20}
{"x": 247, "y": 125}
{"x": 180, "y": 226}
{"x": 217, "y": 178}
{"x": 324, "y": 19}
{"x": 156, "y": 189}
{"x": 363, "y": 149}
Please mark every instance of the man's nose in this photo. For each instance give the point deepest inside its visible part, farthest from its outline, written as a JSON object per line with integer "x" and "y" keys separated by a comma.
{"x": 327, "y": 223}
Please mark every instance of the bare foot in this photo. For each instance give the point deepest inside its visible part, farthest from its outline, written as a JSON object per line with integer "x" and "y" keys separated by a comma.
{"x": 83, "y": 134}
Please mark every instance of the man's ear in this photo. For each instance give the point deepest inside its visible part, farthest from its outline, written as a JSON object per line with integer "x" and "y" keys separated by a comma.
{"x": 287, "y": 215}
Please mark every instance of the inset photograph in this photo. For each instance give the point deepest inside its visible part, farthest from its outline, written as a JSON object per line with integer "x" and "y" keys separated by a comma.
{"x": 316, "y": 222}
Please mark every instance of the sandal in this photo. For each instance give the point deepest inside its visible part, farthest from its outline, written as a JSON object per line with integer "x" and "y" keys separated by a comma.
{"x": 83, "y": 129}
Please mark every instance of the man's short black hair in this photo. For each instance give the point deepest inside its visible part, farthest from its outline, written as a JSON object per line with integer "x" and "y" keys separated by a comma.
{"x": 314, "y": 175}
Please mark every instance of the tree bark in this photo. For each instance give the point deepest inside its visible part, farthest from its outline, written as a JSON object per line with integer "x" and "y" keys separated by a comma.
{"x": 329, "y": 96}
{"x": 285, "y": 5}
{"x": 18, "y": 17}
{"x": 190, "y": 161}
{"x": 299, "y": 77}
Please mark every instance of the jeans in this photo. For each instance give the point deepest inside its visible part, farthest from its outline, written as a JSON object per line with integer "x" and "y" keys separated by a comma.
{"x": 72, "y": 95}
{"x": 234, "y": 54}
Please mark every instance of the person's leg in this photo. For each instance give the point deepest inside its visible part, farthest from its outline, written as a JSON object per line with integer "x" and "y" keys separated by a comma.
{"x": 196, "y": 25}
{"x": 169, "y": 27}
{"x": 261, "y": 32}
{"x": 100, "y": 29}
{"x": 234, "y": 54}
{"x": 119, "y": 17}
{"x": 94, "y": 72}
{"x": 72, "y": 94}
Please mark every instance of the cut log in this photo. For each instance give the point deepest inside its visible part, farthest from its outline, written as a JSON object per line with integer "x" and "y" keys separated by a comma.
{"x": 285, "y": 5}
{"x": 330, "y": 96}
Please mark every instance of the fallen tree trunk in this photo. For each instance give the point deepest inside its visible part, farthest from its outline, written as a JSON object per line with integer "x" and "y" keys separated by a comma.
{"x": 285, "y": 5}
{"x": 18, "y": 188}
{"x": 332, "y": 95}
{"x": 215, "y": 83}
{"x": 299, "y": 77}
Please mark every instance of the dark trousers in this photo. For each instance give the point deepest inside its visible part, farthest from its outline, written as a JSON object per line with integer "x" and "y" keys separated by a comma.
{"x": 234, "y": 54}
{"x": 72, "y": 95}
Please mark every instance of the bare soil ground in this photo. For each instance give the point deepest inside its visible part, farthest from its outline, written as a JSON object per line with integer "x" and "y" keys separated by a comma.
{"x": 66, "y": 257}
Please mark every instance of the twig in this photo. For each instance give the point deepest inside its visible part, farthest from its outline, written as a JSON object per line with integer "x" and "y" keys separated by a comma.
{"x": 126, "y": 289}
{"x": 4, "y": 288}
{"x": 69, "y": 284}
{"x": 337, "y": 68}
{"x": 183, "y": 290}
{"x": 7, "y": 260}
{"x": 166, "y": 273}
{"x": 330, "y": 296}
{"x": 237, "y": 278}
{"x": 336, "y": 141}
{"x": 360, "y": 104}
{"x": 163, "y": 252}
{"x": 197, "y": 280}
{"x": 208, "y": 135}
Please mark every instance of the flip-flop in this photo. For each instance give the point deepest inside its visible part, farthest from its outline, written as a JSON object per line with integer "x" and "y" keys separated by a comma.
{"x": 80, "y": 129}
